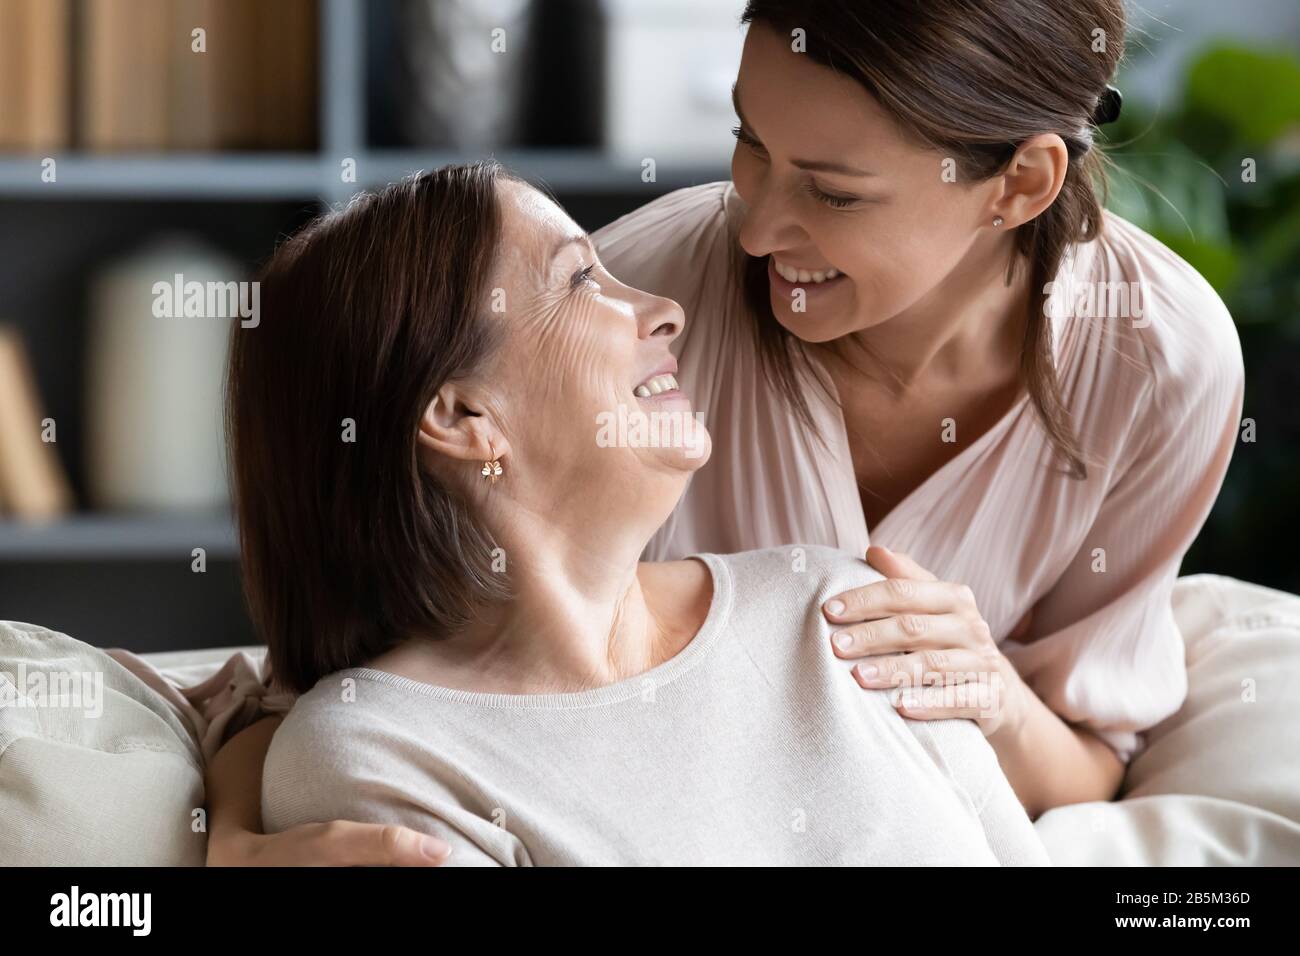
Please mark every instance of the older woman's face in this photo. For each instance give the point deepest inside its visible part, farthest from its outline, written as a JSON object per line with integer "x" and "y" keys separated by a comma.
{"x": 585, "y": 362}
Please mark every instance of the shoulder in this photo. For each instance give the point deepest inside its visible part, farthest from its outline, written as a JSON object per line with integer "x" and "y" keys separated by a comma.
{"x": 353, "y": 748}
{"x": 684, "y": 210}
{"x": 1185, "y": 335}
{"x": 798, "y": 571}
{"x": 329, "y": 729}
{"x": 678, "y": 246}
{"x": 361, "y": 749}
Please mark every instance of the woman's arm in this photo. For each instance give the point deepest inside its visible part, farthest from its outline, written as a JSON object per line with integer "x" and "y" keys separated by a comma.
{"x": 234, "y": 802}
{"x": 1051, "y": 764}
{"x": 1065, "y": 708}
{"x": 925, "y": 640}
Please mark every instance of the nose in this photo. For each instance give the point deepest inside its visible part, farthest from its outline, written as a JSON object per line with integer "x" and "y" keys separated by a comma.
{"x": 659, "y": 316}
{"x": 768, "y": 225}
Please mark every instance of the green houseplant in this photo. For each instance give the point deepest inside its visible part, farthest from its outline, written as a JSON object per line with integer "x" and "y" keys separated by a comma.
{"x": 1216, "y": 177}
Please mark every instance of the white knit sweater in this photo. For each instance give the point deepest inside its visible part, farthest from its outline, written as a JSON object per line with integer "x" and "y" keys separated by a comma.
{"x": 754, "y": 745}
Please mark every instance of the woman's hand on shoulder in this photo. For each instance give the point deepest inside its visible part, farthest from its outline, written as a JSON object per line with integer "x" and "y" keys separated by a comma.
{"x": 927, "y": 641}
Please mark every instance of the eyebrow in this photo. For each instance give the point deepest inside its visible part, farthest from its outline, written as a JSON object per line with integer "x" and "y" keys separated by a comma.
{"x": 812, "y": 165}
{"x": 578, "y": 238}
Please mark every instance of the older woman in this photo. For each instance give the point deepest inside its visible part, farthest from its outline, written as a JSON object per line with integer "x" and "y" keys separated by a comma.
{"x": 441, "y": 538}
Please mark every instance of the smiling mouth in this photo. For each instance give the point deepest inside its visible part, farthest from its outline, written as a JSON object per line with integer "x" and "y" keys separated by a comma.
{"x": 805, "y": 278}
{"x": 656, "y": 385}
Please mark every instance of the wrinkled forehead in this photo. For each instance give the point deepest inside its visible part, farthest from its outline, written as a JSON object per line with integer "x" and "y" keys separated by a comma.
{"x": 531, "y": 225}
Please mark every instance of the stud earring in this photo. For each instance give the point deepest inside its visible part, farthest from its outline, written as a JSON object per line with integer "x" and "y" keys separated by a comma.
{"x": 997, "y": 221}
{"x": 492, "y": 469}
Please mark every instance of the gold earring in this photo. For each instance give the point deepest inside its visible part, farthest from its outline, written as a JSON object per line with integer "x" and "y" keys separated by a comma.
{"x": 492, "y": 469}
{"x": 997, "y": 220}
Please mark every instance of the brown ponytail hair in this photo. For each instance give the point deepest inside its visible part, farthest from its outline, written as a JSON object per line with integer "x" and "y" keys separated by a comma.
{"x": 972, "y": 80}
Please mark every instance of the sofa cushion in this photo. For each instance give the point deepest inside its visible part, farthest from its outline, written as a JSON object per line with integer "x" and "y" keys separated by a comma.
{"x": 95, "y": 769}
{"x": 1217, "y": 783}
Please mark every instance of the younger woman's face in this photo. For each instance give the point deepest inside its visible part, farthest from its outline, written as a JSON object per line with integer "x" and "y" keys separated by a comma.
{"x": 585, "y": 360}
{"x": 835, "y": 190}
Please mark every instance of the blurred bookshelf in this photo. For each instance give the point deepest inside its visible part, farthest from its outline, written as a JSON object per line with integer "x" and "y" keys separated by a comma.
{"x": 124, "y": 578}
{"x": 120, "y": 537}
{"x": 289, "y": 176}
{"x": 196, "y": 176}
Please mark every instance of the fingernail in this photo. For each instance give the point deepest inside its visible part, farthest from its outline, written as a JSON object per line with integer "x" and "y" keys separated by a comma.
{"x": 434, "y": 848}
{"x": 835, "y": 607}
{"x": 867, "y": 671}
{"x": 843, "y": 640}
{"x": 908, "y": 698}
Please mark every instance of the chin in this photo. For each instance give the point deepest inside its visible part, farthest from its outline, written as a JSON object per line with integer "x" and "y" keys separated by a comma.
{"x": 698, "y": 456}
{"x": 807, "y": 327}
{"x": 690, "y": 454}
{"x": 816, "y": 330}
{"x": 663, "y": 431}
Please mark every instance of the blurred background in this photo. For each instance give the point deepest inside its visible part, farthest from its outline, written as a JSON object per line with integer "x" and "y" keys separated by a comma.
{"x": 142, "y": 139}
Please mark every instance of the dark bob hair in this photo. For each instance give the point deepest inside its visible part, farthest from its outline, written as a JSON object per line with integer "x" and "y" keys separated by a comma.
{"x": 348, "y": 545}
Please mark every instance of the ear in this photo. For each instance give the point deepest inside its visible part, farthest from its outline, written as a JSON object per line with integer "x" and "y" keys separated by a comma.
{"x": 457, "y": 426}
{"x": 1032, "y": 180}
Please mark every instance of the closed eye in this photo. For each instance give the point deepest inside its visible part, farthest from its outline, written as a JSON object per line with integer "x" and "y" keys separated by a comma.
{"x": 829, "y": 199}
{"x": 582, "y": 275}
{"x": 745, "y": 139}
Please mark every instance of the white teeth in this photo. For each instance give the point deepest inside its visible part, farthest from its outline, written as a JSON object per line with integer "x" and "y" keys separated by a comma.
{"x": 790, "y": 274}
{"x": 655, "y": 385}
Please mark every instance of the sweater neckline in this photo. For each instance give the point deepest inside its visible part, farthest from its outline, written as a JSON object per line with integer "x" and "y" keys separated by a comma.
{"x": 715, "y": 622}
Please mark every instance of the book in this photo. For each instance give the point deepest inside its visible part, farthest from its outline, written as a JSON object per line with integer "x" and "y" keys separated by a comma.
{"x": 33, "y": 484}
{"x": 192, "y": 103}
{"x": 254, "y": 85}
{"x": 233, "y": 45}
{"x": 13, "y": 120}
{"x": 123, "y": 89}
{"x": 288, "y": 39}
{"x": 143, "y": 85}
{"x": 35, "y": 75}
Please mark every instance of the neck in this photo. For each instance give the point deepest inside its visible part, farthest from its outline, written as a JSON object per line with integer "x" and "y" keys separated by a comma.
{"x": 969, "y": 324}
{"x": 580, "y": 617}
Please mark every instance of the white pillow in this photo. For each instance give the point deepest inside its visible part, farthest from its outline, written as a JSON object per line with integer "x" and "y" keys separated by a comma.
{"x": 1218, "y": 783}
{"x": 105, "y": 775}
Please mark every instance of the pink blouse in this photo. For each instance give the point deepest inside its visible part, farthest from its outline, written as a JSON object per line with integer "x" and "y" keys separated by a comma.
{"x": 1155, "y": 403}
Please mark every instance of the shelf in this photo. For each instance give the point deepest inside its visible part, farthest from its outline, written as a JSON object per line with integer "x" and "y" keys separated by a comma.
{"x": 563, "y": 171}
{"x": 99, "y": 537}
{"x": 180, "y": 176}
{"x": 316, "y": 175}
{"x": 308, "y": 176}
